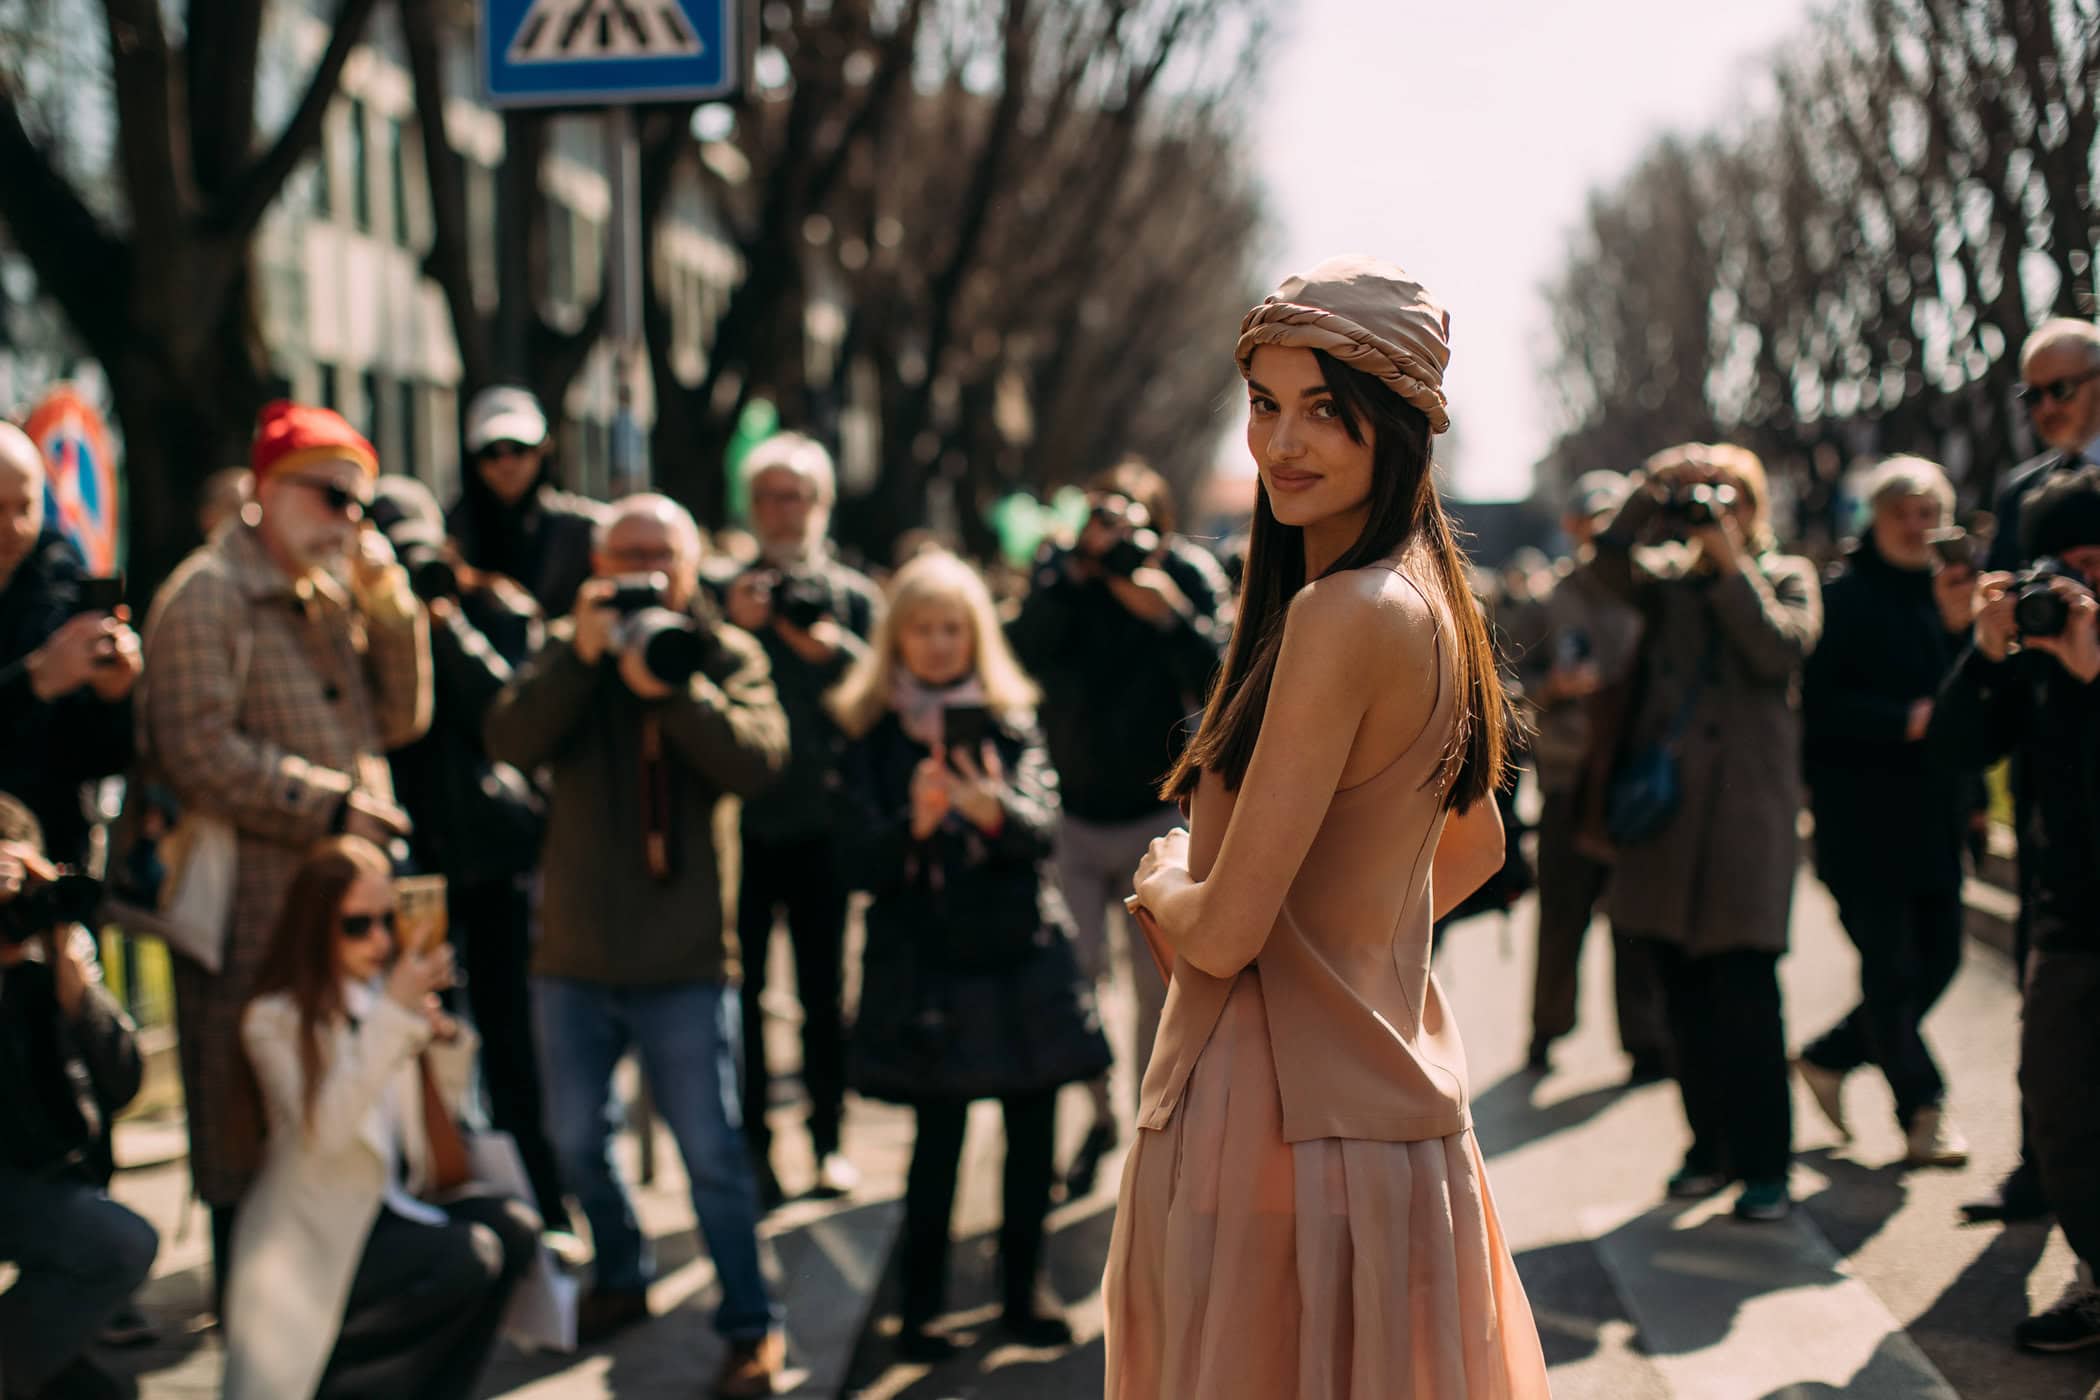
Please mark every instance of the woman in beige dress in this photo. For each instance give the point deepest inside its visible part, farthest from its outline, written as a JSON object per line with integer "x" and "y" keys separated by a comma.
{"x": 1306, "y": 1213}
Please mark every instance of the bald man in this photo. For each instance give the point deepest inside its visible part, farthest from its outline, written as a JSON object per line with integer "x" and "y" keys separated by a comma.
{"x": 65, "y": 674}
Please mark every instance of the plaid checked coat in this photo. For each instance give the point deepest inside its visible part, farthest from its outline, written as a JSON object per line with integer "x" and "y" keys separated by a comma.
{"x": 327, "y": 690}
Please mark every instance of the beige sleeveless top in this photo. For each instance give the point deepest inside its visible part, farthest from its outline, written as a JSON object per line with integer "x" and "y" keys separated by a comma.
{"x": 1364, "y": 1044}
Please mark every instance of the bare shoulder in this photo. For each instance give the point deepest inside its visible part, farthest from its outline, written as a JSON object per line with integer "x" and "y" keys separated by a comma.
{"x": 1366, "y": 614}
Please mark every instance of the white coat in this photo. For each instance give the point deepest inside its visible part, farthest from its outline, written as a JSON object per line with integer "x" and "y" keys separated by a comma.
{"x": 302, "y": 1227}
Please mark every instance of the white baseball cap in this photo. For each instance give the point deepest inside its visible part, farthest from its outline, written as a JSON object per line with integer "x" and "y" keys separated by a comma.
{"x": 504, "y": 414}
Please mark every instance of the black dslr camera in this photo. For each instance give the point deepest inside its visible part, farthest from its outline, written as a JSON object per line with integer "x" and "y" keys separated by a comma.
{"x": 1698, "y": 504}
{"x": 2038, "y": 609}
{"x": 674, "y": 646}
{"x": 1137, "y": 542}
{"x": 72, "y": 898}
{"x": 800, "y": 600}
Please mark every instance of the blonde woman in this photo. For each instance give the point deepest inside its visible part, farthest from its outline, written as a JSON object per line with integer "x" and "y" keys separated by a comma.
{"x": 971, "y": 989}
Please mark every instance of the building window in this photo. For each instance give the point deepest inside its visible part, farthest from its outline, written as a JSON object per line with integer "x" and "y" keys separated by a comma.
{"x": 360, "y": 169}
{"x": 397, "y": 176}
{"x": 323, "y": 199}
{"x": 368, "y": 422}
{"x": 411, "y": 462}
{"x": 482, "y": 231}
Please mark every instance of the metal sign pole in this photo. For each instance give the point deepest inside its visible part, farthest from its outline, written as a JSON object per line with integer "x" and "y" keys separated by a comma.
{"x": 623, "y": 273}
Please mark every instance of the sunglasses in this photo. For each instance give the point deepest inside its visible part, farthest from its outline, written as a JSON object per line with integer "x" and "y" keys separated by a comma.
{"x": 497, "y": 451}
{"x": 2056, "y": 390}
{"x": 339, "y": 499}
{"x": 361, "y": 925}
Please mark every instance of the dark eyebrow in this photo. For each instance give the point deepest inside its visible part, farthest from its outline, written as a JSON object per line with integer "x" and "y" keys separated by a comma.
{"x": 1260, "y": 388}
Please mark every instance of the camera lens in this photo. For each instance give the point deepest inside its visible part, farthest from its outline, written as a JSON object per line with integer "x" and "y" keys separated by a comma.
{"x": 2040, "y": 611}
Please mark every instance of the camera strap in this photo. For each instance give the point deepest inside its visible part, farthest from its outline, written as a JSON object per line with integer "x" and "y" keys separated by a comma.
{"x": 656, "y": 802}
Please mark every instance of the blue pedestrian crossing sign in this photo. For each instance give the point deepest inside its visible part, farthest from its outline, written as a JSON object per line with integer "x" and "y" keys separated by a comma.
{"x": 600, "y": 53}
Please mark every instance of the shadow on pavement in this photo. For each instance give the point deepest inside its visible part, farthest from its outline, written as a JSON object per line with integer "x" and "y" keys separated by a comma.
{"x": 1572, "y": 1299}
{"x": 990, "y": 1366}
{"x": 1508, "y": 1116}
{"x": 1987, "y": 1301}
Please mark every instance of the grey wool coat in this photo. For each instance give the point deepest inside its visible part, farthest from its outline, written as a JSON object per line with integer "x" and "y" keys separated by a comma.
{"x": 1720, "y": 876}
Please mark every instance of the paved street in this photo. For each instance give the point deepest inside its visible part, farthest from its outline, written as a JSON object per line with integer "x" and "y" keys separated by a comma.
{"x": 1871, "y": 1291}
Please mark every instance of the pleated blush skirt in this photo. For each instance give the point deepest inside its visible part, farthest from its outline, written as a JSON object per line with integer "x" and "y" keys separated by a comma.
{"x": 1244, "y": 1267}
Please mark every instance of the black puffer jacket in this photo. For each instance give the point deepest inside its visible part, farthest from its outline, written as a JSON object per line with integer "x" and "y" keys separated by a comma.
{"x": 1890, "y": 814}
{"x": 970, "y": 987}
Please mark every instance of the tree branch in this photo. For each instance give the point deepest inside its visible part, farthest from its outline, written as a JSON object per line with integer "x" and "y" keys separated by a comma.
{"x": 149, "y": 132}
{"x": 254, "y": 191}
{"x": 73, "y": 253}
{"x": 449, "y": 262}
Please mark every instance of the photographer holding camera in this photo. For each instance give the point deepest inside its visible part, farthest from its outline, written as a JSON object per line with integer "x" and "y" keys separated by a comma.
{"x": 650, "y": 720}
{"x": 511, "y": 518}
{"x": 68, "y": 1062}
{"x": 478, "y": 823}
{"x": 2027, "y": 687}
{"x": 67, "y": 660}
{"x": 813, "y": 616}
{"x": 1890, "y": 820}
{"x": 1124, "y": 632}
{"x": 1705, "y": 794}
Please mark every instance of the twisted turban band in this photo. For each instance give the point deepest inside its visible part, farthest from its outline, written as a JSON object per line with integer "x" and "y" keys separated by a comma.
{"x": 1368, "y": 315}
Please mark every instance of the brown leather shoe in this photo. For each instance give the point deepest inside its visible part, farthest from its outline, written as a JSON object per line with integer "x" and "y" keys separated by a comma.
{"x": 753, "y": 1367}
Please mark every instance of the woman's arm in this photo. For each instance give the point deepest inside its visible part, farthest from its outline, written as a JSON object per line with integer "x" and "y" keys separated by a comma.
{"x": 350, "y": 1084}
{"x": 1317, "y": 703}
{"x": 1468, "y": 854}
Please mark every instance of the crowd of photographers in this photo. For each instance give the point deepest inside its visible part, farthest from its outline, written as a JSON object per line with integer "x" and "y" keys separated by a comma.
{"x": 1694, "y": 687}
{"x": 627, "y": 757}
{"x": 630, "y": 757}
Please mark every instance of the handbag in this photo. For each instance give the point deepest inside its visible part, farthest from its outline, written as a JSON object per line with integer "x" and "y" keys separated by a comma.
{"x": 1647, "y": 787}
{"x": 450, "y": 1167}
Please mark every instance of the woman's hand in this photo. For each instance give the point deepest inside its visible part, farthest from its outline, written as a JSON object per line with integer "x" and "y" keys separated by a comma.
{"x": 1995, "y": 628}
{"x": 443, "y": 1028}
{"x": 1164, "y": 869}
{"x": 932, "y": 795}
{"x": 979, "y": 790}
{"x": 1721, "y": 543}
{"x": 417, "y": 977}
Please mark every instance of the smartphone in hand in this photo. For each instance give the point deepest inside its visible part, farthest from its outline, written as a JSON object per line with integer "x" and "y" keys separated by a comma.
{"x": 965, "y": 729}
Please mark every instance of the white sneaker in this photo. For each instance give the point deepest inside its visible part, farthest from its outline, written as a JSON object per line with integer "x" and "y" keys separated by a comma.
{"x": 1934, "y": 1142}
{"x": 837, "y": 1176}
{"x": 1827, "y": 1087}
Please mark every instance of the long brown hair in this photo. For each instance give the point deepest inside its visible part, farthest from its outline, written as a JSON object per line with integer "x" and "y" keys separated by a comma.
{"x": 1405, "y": 512}
{"x": 301, "y": 962}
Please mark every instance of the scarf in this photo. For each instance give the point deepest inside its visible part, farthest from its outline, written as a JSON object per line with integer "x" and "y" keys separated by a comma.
{"x": 919, "y": 706}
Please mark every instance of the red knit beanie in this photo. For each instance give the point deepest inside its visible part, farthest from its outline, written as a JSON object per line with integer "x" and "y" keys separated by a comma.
{"x": 291, "y": 434}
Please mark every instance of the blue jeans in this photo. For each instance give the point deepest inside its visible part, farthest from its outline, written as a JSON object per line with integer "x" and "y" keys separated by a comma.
{"x": 688, "y": 1035}
{"x": 81, "y": 1255}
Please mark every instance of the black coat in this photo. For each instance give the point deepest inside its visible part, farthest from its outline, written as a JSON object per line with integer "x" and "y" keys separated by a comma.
{"x": 2028, "y": 706}
{"x": 1890, "y": 814}
{"x": 52, "y": 747}
{"x": 970, "y": 987}
{"x": 1118, "y": 691}
{"x": 61, "y": 1078}
{"x": 543, "y": 542}
{"x": 804, "y": 803}
{"x": 476, "y": 820}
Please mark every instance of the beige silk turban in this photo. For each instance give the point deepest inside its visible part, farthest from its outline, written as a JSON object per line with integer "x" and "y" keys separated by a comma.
{"x": 1369, "y": 315}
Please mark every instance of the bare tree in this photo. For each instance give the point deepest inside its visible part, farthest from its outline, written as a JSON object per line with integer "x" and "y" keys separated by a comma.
{"x": 159, "y": 283}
